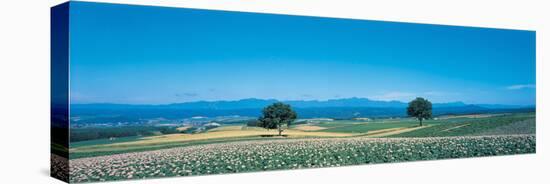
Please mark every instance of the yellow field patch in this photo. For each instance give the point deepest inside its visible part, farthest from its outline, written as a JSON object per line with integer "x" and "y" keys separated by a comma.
{"x": 226, "y": 128}
{"x": 181, "y": 138}
{"x": 308, "y": 128}
{"x": 183, "y": 128}
{"x": 252, "y": 128}
{"x": 228, "y": 134}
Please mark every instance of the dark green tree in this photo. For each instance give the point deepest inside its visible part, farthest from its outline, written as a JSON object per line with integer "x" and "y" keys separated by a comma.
{"x": 420, "y": 108}
{"x": 276, "y": 115}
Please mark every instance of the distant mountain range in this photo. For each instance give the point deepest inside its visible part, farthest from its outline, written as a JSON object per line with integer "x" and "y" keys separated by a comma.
{"x": 334, "y": 108}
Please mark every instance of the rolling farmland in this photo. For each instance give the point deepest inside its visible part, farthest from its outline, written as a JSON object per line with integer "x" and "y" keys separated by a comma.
{"x": 240, "y": 148}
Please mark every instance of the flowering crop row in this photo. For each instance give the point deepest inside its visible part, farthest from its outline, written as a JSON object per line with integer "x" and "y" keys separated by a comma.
{"x": 249, "y": 156}
{"x": 59, "y": 167}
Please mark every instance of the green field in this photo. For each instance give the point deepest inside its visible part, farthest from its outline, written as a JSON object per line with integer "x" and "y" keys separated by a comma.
{"x": 339, "y": 123}
{"x": 104, "y": 141}
{"x": 477, "y": 126}
{"x": 240, "y": 148}
{"x": 366, "y": 127}
{"x": 520, "y": 123}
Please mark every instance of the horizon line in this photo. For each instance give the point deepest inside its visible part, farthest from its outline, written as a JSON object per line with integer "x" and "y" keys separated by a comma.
{"x": 277, "y": 100}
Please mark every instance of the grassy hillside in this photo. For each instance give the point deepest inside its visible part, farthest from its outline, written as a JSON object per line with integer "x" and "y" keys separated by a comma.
{"x": 497, "y": 125}
{"x": 502, "y": 124}
{"x": 366, "y": 127}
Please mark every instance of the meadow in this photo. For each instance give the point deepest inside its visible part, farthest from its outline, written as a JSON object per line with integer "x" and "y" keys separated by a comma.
{"x": 241, "y": 148}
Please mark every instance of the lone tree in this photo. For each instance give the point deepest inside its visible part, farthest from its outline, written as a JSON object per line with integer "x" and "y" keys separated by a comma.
{"x": 276, "y": 115}
{"x": 420, "y": 108}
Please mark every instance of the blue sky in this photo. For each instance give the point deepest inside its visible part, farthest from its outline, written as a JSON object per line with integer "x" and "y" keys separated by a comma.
{"x": 153, "y": 55}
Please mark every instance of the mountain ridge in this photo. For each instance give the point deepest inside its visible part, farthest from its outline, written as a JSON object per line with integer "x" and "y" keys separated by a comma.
{"x": 260, "y": 103}
{"x": 252, "y": 107}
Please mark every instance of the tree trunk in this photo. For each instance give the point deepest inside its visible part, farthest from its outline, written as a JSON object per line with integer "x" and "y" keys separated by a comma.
{"x": 280, "y": 129}
{"x": 420, "y": 121}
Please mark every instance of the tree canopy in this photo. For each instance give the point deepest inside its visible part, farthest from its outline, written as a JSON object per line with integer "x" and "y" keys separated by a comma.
{"x": 420, "y": 108}
{"x": 276, "y": 115}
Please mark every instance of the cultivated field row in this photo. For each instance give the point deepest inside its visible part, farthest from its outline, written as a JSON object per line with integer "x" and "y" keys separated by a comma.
{"x": 246, "y": 156}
